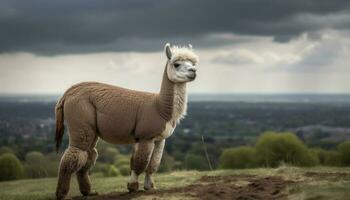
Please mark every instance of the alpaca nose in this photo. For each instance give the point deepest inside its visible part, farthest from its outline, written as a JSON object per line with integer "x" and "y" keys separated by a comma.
{"x": 193, "y": 70}
{"x": 192, "y": 75}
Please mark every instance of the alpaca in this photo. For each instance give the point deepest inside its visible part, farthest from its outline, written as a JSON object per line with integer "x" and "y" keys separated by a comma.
{"x": 122, "y": 116}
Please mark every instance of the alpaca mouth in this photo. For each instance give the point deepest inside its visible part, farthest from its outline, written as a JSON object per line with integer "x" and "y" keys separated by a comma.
{"x": 192, "y": 76}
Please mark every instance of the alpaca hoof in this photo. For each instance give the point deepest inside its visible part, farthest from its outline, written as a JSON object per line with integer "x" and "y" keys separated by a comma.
{"x": 61, "y": 198}
{"x": 133, "y": 187}
{"x": 91, "y": 194}
{"x": 149, "y": 186}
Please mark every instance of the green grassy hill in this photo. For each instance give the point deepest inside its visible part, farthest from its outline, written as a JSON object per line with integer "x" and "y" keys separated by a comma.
{"x": 280, "y": 183}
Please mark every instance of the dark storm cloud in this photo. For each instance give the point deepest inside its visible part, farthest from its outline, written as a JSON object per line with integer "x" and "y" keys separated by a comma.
{"x": 79, "y": 26}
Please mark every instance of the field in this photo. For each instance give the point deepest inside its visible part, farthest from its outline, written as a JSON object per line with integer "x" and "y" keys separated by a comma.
{"x": 280, "y": 183}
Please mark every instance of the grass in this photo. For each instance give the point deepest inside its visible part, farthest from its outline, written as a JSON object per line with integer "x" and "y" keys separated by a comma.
{"x": 306, "y": 187}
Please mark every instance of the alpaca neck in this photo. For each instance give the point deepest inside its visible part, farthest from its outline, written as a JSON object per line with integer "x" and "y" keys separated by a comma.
{"x": 172, "y": 99}
{"x": 180, "y": 102}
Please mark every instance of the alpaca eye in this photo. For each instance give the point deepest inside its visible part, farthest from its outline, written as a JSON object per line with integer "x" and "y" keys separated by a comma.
{"x": 176, "y": 65}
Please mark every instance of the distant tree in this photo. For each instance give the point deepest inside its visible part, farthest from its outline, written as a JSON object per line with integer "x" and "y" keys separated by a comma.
{"x": 240, "y": 157}
{"x": 101, "y": 168}
{"x": 108, "y": 155}
{"x": 52, "y": 163}
{"x": 167, "y": 164}
{"x": 122, "y": 160}
{"x": 196, "y": 148}
{"x": 313, "y": 158}
{"x": 113, "y": 171}
{"x": 275, "y": 148}
{"x": 344, "y": 150}
{"x": 328, "y": 157}
{"x": 122, "y": 163}
{"x": 321, "y": 155}
{"x": 10, "y": 167}
{"x": 333, "y": 158}
{"x": 35, "y": 157}
{"x": 196, "y": 162}
{"x": 179, "y": 155}
{"x": 124, "y": 170}
{"x": 35, "y": 165}
{"x": 5, "y": 149}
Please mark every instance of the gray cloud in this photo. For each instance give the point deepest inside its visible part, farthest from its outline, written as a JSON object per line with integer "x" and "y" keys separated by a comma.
{"x": 324, "y": 54}
{"x": 81, "y": 26}
{"x": 234, "y": 59}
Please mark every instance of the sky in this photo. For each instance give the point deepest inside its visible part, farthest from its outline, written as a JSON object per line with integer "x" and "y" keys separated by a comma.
{"x": 244, "y": 46}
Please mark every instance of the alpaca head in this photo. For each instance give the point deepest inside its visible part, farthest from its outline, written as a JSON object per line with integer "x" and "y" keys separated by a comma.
{"x": 182, "y": 63}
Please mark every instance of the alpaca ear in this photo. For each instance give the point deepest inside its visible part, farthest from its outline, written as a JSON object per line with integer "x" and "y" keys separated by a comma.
{"x": 168, "y": 51}
{"x": 190, "y": 46}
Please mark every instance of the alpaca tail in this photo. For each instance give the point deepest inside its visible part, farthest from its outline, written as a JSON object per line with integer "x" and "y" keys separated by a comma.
{"x": 59, "y": 122}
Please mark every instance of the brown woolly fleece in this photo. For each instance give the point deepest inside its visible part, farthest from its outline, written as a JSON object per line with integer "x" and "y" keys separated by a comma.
{"x": 117, "y": 115}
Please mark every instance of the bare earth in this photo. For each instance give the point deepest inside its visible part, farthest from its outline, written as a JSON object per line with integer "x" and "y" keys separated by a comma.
{"x": 240, "y": 187}
{"x": 284, "y": 182}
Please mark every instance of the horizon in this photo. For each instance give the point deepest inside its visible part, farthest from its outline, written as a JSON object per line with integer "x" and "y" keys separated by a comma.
{"x": 206, "y": 93}
{"x": 211, "y": 97}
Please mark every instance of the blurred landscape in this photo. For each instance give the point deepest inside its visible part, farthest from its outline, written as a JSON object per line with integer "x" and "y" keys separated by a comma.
{"x": 299, "y": 130}
{"x": 226, "y": 120}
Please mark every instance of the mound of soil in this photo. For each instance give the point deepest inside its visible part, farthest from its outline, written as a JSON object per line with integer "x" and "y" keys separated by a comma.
{"x": 233, "y": 187}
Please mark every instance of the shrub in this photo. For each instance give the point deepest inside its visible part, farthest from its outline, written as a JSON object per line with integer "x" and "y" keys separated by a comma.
{"x": 52, "y": 164}
{"x": 35, "y": 157}
{"x": 108, "y": 155}
{"x": 101, "y": 168}
{"x": 196, "y": 162}
{"x": 167, "y": 163}
{"x": 123, "y": 164}
{"x": 275, "y": 148}
{"x": 113, "y": 171}
{"x": 344, "y": 150}
{"x": 124, "y": 170}
{"x": 328, "y": 158}
{"x": 313, "y": 158}
{"x": 51, "y": 168}
{"x": 321, "y": 155}
{"x": 122, "y": 160}
{"x": 10, "y": 167}
{"x": 35, "y": 165}
{"x": 333, "y": 158}
{"x": 5, "y": 149}
{"x": 240, "y": 157}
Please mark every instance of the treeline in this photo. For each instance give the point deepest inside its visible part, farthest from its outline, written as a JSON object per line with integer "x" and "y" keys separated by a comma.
{"x": 37, "y": 165}
{"x": 270, "y": 150}
{"x": 273, "y": 149}
{"x": 112, "y": 161}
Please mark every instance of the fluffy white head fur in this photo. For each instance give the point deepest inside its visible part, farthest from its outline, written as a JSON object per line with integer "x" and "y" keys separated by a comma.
{"x": 181, "y": 63}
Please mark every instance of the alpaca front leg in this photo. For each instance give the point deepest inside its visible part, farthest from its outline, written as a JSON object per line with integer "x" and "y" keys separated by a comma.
{"x": 139, "y": 161}
{"x": 154, "y": 164}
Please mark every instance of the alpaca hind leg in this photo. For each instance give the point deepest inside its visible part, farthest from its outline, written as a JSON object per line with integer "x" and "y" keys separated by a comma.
{"x": 154, "y": 164}
{"x": 139, "y": 161}
{"x": 81, "y": 118}
{"x": 83, "y": 174}
{"x": 72, "y": 160}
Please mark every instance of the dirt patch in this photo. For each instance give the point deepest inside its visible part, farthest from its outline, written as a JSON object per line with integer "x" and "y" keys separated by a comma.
{"x": 233, "y": 187}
